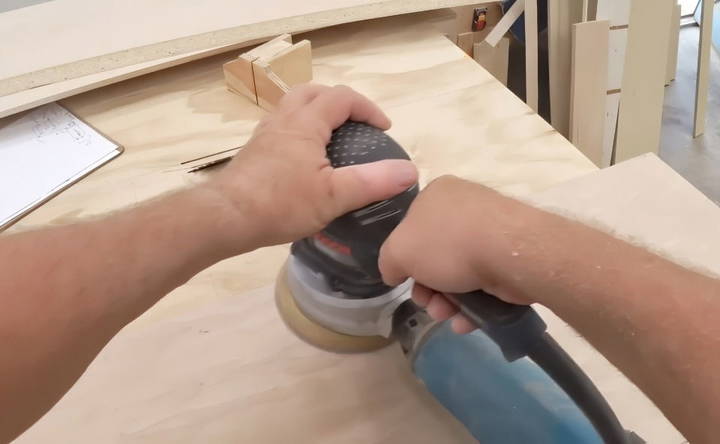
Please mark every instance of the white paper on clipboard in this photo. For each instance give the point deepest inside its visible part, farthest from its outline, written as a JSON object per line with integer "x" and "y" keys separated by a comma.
{"x": 42, "y": 153}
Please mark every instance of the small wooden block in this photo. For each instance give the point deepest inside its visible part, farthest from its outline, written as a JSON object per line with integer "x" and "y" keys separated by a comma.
{"x": 239, "y": 73}
{"x": 275, "y": 75}
{"x": 265, "y": 73}
{"x": 239, "y": 77}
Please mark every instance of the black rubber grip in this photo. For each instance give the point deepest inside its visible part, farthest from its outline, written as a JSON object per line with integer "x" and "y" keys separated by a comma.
{"x": 355, "y": 143}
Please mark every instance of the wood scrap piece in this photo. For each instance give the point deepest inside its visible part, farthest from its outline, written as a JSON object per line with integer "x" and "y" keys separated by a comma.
{"x": 503, "y": 26}
{"x": 618, "y": 13}
{"x": 589, "y": 87}
{"x": 293, "y": 65}
{"x": 673, "y": 45}
{"x": 643, "y": 86}
{"x": 465, "y": 42}
{"x": 562, "y": 14}
{"x": 239, "y": 72}
{"x": 495, "y": 60}
{"x": 275, "y": 75}
{"x": 531, "y": 54}
{"x": 267, "y": 72}
{"x": 703, "y": 69}
{"x": 612, "y": 107}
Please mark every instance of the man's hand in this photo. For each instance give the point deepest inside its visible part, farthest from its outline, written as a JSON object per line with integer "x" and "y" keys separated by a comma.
{"x": 656, "y": 321}
{"x": 282, "y": 181}
{"x": 451, "y": 241}
{"x": 278, "y": 189}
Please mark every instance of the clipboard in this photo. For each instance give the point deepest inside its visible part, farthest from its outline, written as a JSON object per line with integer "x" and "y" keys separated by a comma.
{"x": 42, "y": 153}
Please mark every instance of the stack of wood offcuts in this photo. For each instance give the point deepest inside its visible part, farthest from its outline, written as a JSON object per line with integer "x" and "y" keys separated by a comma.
{"x": 619, "y": 60}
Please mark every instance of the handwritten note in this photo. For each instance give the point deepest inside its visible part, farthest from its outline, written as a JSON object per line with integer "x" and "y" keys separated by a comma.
{"x": 43, "y": 152}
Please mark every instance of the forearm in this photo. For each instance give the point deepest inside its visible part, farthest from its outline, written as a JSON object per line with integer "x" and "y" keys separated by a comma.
{"x": 653, "y": 319}
{"x": 66, "y": 291}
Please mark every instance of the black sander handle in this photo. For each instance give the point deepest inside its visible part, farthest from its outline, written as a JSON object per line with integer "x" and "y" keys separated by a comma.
{"x": 365, "y": 230}
{"x": 517, "y": 330}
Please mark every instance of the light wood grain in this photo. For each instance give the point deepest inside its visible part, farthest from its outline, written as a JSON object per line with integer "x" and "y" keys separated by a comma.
{"x": 275, "y": 75}
{"x": 703, "y": 69}
{"x": 240, "y": 73}
{"x": 618, "y": 13}
{"x": 192, "y": 368}
{"x": 643, "y": 85}
{"x": 40, "y": 54}
{"x": 562, "y": 14}
{"x": 30, "y": 98}
{"x": 589, "y": 87}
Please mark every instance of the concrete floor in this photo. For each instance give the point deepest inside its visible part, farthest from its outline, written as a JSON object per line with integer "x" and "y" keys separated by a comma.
{"x": 698, "y": 160}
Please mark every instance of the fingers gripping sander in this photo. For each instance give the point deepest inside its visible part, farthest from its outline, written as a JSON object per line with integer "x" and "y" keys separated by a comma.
{"x": 332, "y": 295}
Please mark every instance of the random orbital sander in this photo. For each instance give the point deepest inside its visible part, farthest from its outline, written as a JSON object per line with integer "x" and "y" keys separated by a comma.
{"x": 508, "y": 382}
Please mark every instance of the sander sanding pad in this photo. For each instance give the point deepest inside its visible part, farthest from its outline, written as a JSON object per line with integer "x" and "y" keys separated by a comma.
{"x": 314, "y": 333}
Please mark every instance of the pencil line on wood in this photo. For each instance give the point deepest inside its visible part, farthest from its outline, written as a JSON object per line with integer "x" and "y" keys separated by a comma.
{"x": 213, "y": 154}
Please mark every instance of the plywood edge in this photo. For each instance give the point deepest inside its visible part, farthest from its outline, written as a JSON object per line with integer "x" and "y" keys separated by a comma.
{"x": 561, "y": 16}
{"x": 222, "y": 37}
{"x": 589, "y": 87}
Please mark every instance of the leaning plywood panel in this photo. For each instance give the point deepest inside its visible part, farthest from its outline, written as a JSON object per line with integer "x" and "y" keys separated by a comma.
{"x": 673, "y": 45}
{"x": 618, "y": 13}
{"x": 213, "y": 380}
{"x": 703, "y": 70}
{"x": 589, "y": 87}
{"x": 55, "y": 41}
{"x": 531, "y": 54}
{"x": 562, "y": 14}
{"x": 643, "y": 86}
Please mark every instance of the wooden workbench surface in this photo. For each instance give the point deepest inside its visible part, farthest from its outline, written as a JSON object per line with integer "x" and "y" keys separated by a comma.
{"x": 212, "y": 362}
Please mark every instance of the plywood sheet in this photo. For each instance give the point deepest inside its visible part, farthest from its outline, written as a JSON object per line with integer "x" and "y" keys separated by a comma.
{"x": 56, "y": 41}
{"x": 448, "y": 112}
{"x": 618, "y": 13}
{"x": 589, "y": 87}
{"x": 643, "y": 86}
{"x": 562, "y": 14}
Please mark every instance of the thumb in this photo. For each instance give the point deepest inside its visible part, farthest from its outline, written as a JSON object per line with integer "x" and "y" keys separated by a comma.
{"x": 391, "y": 269}
{"x": 355, "y": 186}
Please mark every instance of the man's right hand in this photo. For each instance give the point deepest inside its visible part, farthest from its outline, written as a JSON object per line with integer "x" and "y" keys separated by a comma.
{"x": 456, "y": 238}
